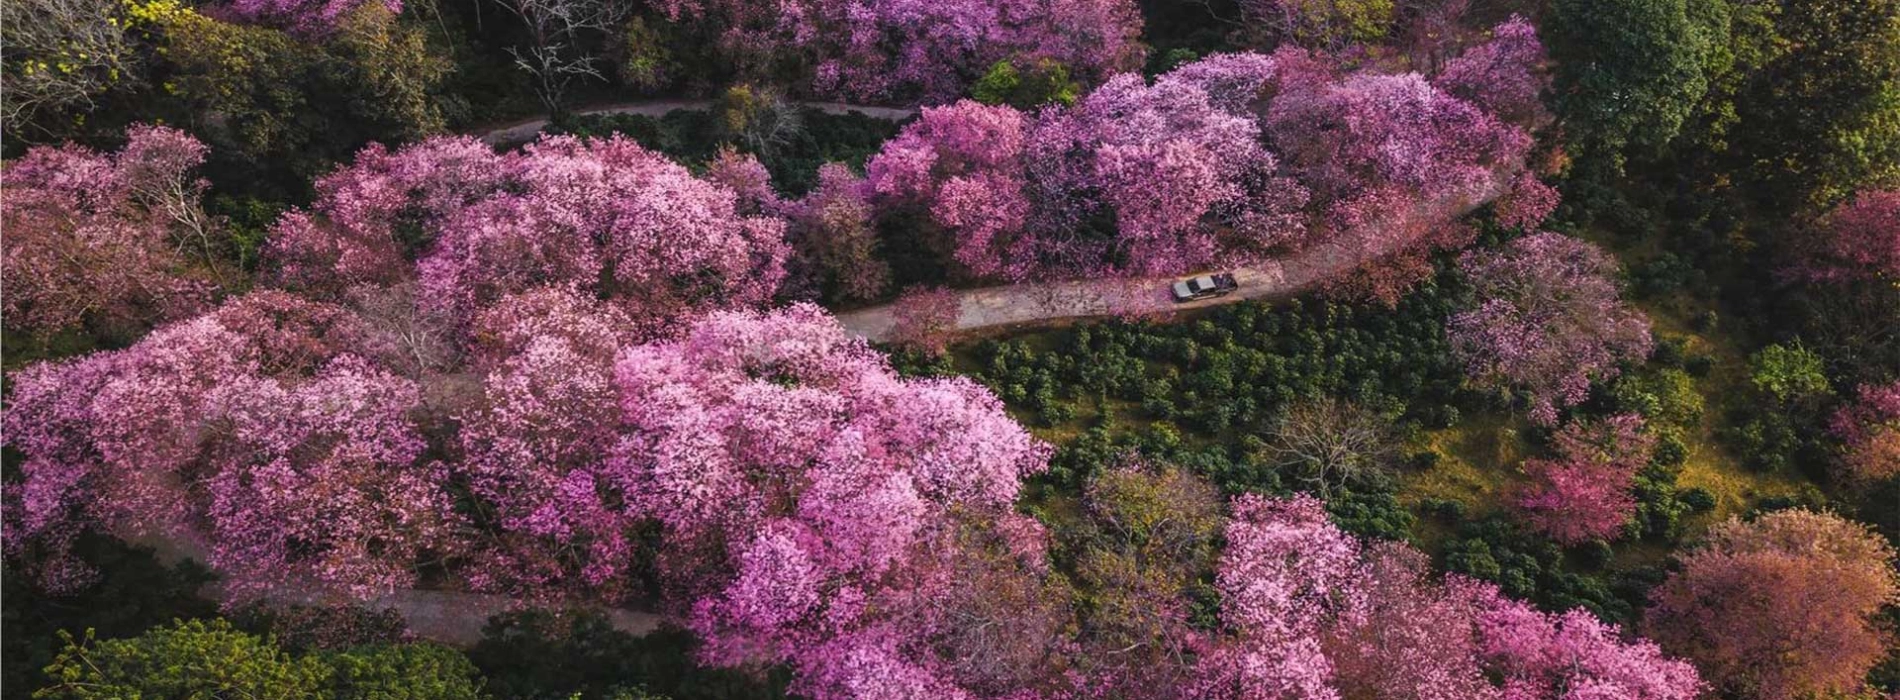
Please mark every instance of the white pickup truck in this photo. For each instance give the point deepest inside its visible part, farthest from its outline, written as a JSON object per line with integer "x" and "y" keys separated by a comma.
{"x": 1204, "y": 287}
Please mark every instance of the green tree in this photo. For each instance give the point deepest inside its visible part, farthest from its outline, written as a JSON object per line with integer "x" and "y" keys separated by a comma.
{"x": 1819, "y": 111}
{"x": 1045, "y": 82}
{"x": 213, "y": 659}
{"x": 183, "y": 660}
{"x": 1630, "y": 72}
{"x": 1788, "y": 372}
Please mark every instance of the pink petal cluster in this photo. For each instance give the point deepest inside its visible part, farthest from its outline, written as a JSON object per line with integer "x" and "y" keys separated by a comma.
{"x": 1584, "y": 493}
{"x": 1549, "y": 321}
{"x": 603, "y": 217}
{"x": 314, "y": 19}
{"x": 96, "y": 236}
{"x": 1314, "y": 613}
{"x": 252, "y": 431}
{"x": 1861, "y": 239}
{"x": 1869, "y": 431}
{"x": 911, "y": 51}
{"x": 1503, "y": 75}
{"x": 1220, "y": 162}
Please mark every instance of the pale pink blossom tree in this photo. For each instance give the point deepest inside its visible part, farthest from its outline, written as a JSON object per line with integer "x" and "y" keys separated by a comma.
{"x": 1549, "y": 320}
{"x": 603, "y": 217}
{"x": 1869, "y": 431}
{"x": 115, "y": 238}
{"x": 1584, "y": 492}
{"x": 1861, "y": 239}
{"x": 1312, "y": 612}
{"x": 253, "y": 431}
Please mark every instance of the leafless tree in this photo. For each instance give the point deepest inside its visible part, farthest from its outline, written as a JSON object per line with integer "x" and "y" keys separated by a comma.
{"x": 1330, "y": 443}
{"x": 761, "y": 119}
{"x": 554, "y": 57}
{"x": 60, "y": 55}
{"x": 400, "y": 326}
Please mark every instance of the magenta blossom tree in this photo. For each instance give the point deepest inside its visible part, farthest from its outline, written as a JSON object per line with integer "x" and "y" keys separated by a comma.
{"x": 1584, "y": 492}
{"x": 254, "y": 432}
{"x": 1869, "y": 431}
{"x": 604, "y": 217}
{"x": 1314, "y": 613}
{"x": 899, "y": 51}
{"x": 1861, "y": 239}
{"x": 311, "y": 19}
{"x": 1549, "y": 321}
{"x": 116, "y": 238}
{"x": 1220, "y": 162}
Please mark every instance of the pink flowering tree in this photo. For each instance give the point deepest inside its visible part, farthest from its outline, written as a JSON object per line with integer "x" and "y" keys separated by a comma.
{"x": 897, "y": 51}
{"x": 254, "y": 432}
{"x": 1869, "y": 431}
{"x": 1222, "y": 162}
{"x": 834, "y": 240}
{"x": 1861, "y": 239}
{"x": 817, "y": 510}
{"x": 1549, "y": 321}
{"x": 1178, "y": 165}
{"x": 118, "y": 239}
{"x": 1584, "y": 492}
{"x": 1784, "y": 606}
{"x": 1312, "y": 612}
{"x": 1504, "y": 75}
{"x": 313, "y": 19}
{"x": 924, "y": 317}
{"x": 602, "y": 217}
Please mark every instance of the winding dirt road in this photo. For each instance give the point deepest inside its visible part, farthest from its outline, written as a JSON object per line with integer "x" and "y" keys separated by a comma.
{"x": 457, "y": 618}
{"x": 1022, "y": 305}
{"x": 524, "y": 130}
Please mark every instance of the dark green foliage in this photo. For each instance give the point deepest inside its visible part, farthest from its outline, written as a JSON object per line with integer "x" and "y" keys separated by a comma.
{"x": 1699, "y": 499}
{"x": 1230, "y": 372}
{"x": 247, "y": 222}
{"x": 213, "y": 659}
{"x": 1536, "y": 569}
{"x": 135, "y": 592}
{"x": 538, "y": 655}
{"x": 694, "y": 137}
{"x": 1817, "y": 99}
{"x": 1630, "y": 72}
{"x": 1044, "y": 82}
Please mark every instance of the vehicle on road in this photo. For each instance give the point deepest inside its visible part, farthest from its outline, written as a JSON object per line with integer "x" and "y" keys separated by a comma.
{"x": 1205, "y": 287}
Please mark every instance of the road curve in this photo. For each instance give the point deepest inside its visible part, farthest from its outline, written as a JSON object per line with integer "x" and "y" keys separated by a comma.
{"x": 457, "y": 617}
{"x": 524, "y": 130}
{"x": 992, "y": 308}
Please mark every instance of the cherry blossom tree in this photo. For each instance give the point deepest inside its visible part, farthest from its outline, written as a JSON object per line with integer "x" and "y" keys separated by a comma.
{"x": 116, "y": 238}
{"x": 1549, "y": 320}
{"x": 1869, "y": 430}
{"x": 844, "y": 505}
{"x": 924, "y": 317}
{"x": 313, "y": 19}
{"x": 1504, "y": 76}
{"x": 1861, "y": 239}
{"x": 897, "y": 51}
{"x": 1780, "y": 607}
{"x": 834, "y": 239}
{"x": 1314, "y": 613}
{"x": 603, "y": 217}
{"x": 1584, "y": 492}
{"x": 253, "y": 431}
{"x": 1221, "y": 162}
